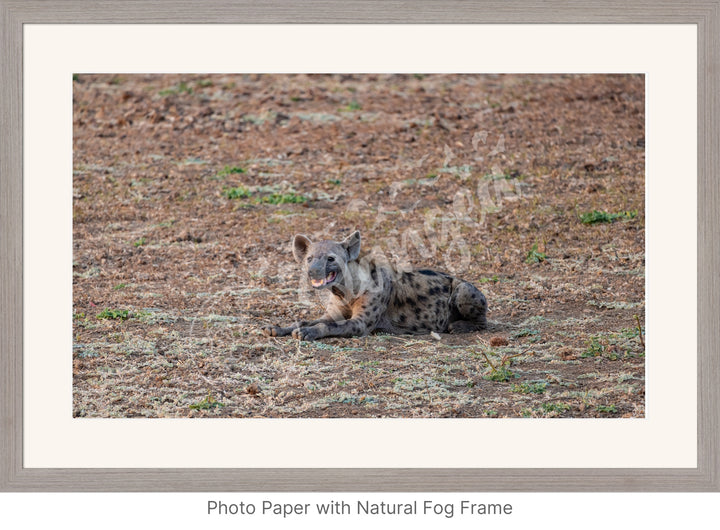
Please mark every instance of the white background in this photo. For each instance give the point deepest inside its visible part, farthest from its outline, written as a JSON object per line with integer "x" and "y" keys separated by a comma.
{"x": 666, "y": 438}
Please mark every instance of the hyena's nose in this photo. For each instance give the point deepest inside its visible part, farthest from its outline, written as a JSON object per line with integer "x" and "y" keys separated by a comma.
{"x": 316, "y": 271}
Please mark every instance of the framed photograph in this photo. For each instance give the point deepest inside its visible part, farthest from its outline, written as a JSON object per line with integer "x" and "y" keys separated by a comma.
{"x": 458, "y": 246}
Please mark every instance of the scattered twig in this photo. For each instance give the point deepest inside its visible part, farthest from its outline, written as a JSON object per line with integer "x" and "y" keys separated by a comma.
{"x": 506, "y": 358}
{"x": 640, "y": 334}
{"x": 489, "y": 361}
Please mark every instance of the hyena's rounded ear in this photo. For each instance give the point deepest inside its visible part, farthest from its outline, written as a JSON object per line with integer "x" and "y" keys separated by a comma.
{"x": 352, "y": 244}
{"x": 301, "y": 245}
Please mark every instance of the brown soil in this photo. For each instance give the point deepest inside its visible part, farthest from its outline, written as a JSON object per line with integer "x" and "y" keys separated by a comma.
{"x": 189, "y": 188}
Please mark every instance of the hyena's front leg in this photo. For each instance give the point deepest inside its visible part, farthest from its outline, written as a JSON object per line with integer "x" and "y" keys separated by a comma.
{"x": 344, "y": 328}
{"x": 366, "y": 312}
{"x": 279, "y": 331}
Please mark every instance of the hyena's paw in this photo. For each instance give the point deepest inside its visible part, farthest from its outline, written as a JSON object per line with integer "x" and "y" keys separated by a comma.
{"x": 271, "y": 331}
{"x": 308, "y": 333}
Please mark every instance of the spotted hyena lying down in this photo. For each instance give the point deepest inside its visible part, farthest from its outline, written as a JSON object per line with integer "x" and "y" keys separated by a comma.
{"x": 365, "y": 295}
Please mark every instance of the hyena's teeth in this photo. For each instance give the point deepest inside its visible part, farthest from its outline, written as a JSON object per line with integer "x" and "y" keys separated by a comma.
{"x": 319, "y": 283}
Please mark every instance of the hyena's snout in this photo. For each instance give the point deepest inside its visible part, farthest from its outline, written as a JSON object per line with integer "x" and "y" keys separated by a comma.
{"x": 321, "y": 274}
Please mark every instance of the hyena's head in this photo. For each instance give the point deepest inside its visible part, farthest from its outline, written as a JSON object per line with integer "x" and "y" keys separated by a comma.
{"x": 326, "y": 261}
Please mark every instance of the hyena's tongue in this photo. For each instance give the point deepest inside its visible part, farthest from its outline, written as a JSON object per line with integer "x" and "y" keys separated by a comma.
{"x": 319, "y": 283}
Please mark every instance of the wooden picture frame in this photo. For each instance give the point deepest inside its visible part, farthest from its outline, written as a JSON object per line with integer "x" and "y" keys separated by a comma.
{"x": 15, "y": 477}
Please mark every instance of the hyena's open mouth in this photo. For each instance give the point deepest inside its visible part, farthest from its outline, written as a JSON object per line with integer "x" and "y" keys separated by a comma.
{"x": 324, "y": 281}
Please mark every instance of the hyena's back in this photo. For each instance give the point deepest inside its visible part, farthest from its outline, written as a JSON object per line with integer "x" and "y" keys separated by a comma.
{"x": 426, "y": 300}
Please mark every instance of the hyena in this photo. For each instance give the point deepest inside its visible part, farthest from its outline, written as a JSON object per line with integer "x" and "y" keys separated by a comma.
{"x": 367, "y": 294}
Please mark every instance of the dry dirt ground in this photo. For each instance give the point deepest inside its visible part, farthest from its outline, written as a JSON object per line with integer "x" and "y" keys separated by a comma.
{"x": 189, "y": 188}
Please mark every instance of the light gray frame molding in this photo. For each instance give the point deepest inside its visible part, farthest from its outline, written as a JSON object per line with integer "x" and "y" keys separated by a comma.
{"x": 15, "y": 13}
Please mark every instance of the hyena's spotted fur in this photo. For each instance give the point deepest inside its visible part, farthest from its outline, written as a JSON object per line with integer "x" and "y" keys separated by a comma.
{"x": 365, "y": 295}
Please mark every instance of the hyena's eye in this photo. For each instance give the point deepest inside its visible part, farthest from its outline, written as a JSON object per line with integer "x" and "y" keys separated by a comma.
{"x": 309, "y": 259}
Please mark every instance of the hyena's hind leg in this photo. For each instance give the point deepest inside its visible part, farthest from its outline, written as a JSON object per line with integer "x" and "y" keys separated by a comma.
{"x": 468, "y": 308}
